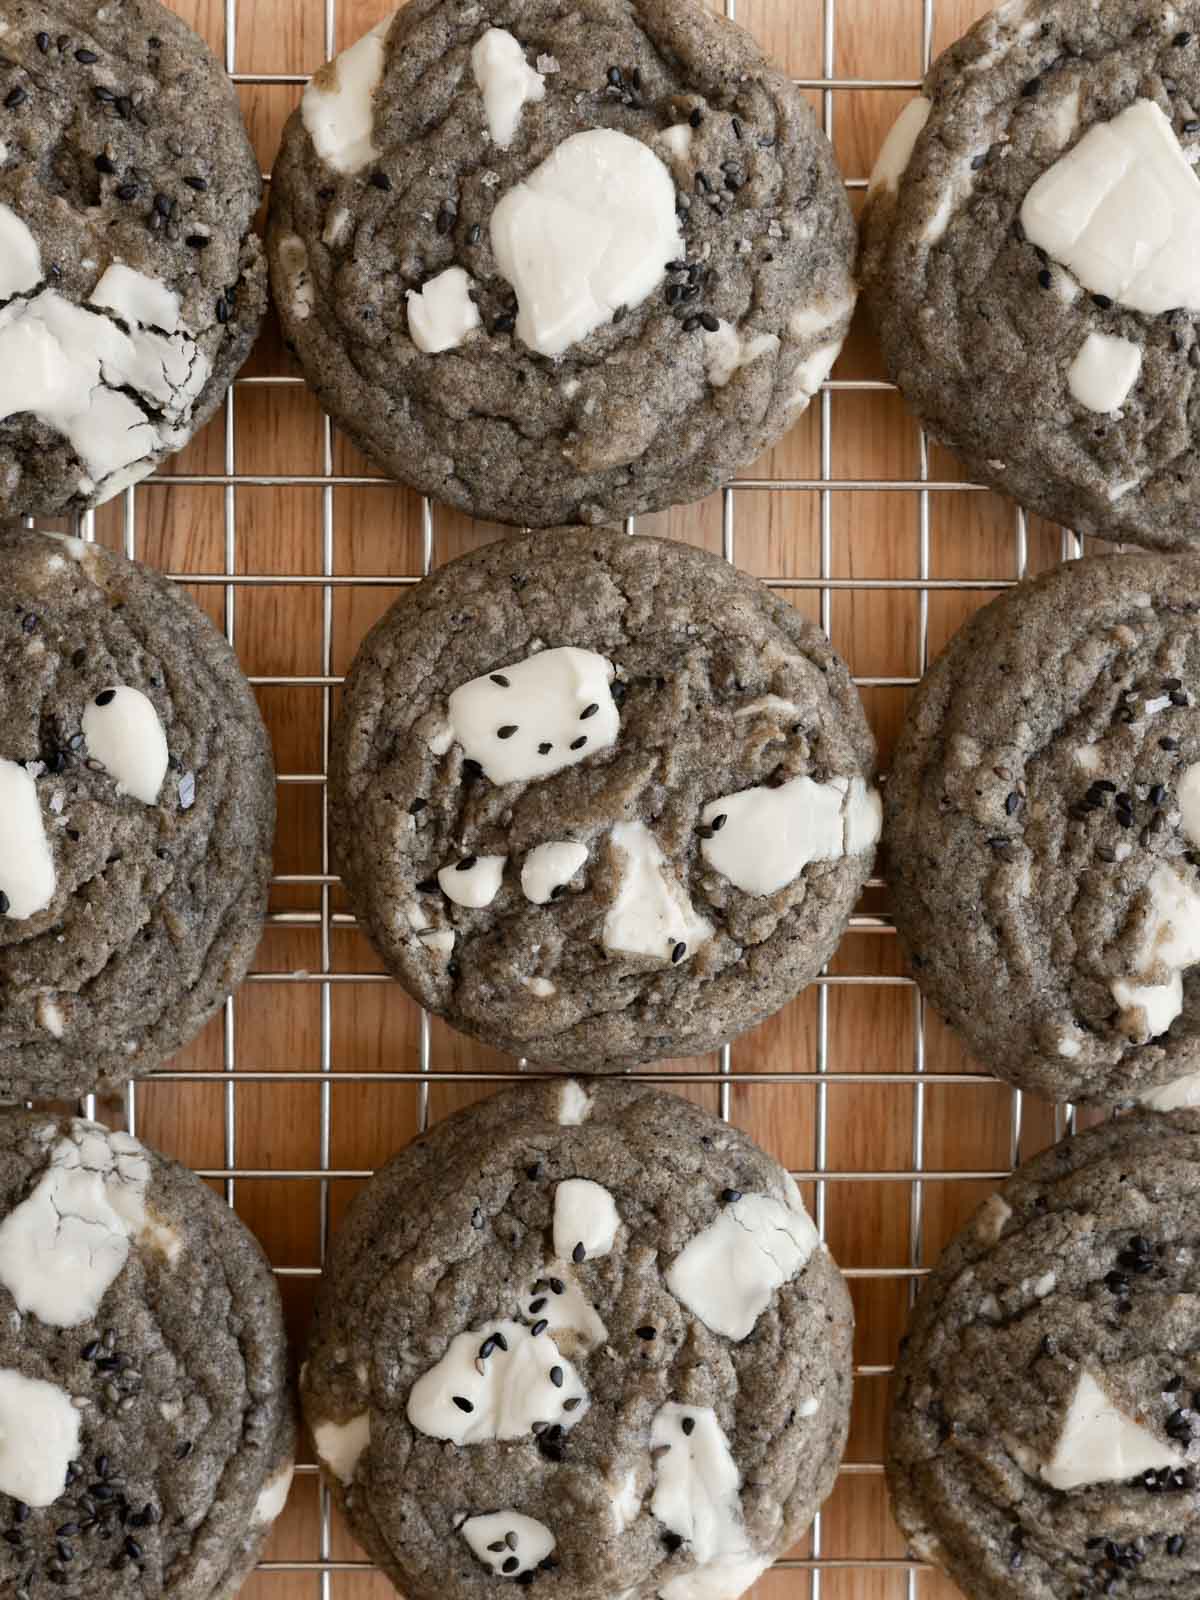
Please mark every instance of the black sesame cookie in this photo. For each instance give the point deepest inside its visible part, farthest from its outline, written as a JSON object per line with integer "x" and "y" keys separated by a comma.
{"x": 131, "y": 287}
{"x": 146, "y": 1426}
{"x": 1045, "y": 1435}
{"x": 138, "y": 805}
{"x": 1043, "y": 823}
{"x": 584, "y": 1336}
{"x": 1030, "y": 257}
{"x": 559, "y": 264}
{"x": 601, "y": 799}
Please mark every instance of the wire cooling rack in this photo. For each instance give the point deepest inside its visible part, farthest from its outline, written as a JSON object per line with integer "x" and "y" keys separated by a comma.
{"x": 892, "y": 1132}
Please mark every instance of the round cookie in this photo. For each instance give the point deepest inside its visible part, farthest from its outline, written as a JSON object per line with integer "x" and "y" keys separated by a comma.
{"x": 138, "y": 798}
{"x": 1043, "y": 1441}
{"x": 131, "y": 286}
{"x": 1043, "y": 821}
{"x": 146, "y": 1426}
{"x": 1030, "y": 249}
{"x": 560, "y": 265}
{"x": 584, "y": 1337}
{"x": 601, "y": 799}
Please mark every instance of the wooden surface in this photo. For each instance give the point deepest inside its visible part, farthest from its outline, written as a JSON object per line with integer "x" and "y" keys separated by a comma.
{"x": 314, "y": 1012}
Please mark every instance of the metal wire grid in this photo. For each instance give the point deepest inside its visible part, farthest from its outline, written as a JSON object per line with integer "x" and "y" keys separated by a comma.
{"x": 321, "y": 1570}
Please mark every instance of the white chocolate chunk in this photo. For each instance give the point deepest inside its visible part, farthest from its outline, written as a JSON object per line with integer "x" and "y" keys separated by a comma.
{"x": 1174, "y": 1095}
{"x": 697, "y": 1497}
{"x": 728, "y": 1272}
{"x": 517, "y": 1387}
{"x": 1099, "y": 1444}
{"x": 1171, "y": 940}
{"x": 441, "y": 312}
{"x": 476, "y": 885}
{"x": 535, "y": 717}
{"x": 338, "y": 106}
{"x": 726, "y": 352}
{"x": 991, "y": 1218}
{"x": 585, "y": 1213}
{"x": 341, "y": 1444}
{"x": 574, "y": 1104}
{"x": 1121, "y": 210}
{"x": 506, "y": 81}
{"x": 39, "y": 1438}
{"x": 811, "y": 373}
{"x": 589, "y": 230}
{"x": 1159, "y": 1003}
{"x": 125, "y": 735}
{"x": 677, "y": 140}
{"x": 541, "y": 987}
{"x": 1104, "y": 371}
{"x": 1187, "y": 793}
{"x": 64, "y": 1245}
{"x": 651, "y": 913}
{"x": 142, "y": 301}
{"x": 549, "y": 866}
{"x": 626, "y": 1500}
{"x": 27, "y": 876}
{"x": 20, "y": 258}
{"x": 272, "y": 1497}
{"x": 301, "y": 292}
{"x": 507, "y": 1542}
{"x": 896, "y": 152}
{"x": 770, "y": 835}
{"x": 821, "y": 315}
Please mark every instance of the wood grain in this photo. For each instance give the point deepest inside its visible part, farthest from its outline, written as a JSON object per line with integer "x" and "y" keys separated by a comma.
{"x": 850, "y": 1028}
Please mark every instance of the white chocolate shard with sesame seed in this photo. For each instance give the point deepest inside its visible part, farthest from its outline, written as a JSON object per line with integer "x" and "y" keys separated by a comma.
{"x": 651, "y": 913}
{"x": 1100, "y": 1444}
{"x": 697, "y": 1497}
{"x": 124, "y": 733}
{"x": 538, "y": 716}
{"x": 338, "y": 106}
{"x": 506, "y": 81}
{"x": 507, "y": 1542}
{"x": 550, "y": 866}
{"x": 571, "y": 1319}
{"x": 728, "y": 1272}
{"x": 340, "y": 1444}
{"x": 529, "y": 1381}
{"x": 586, "y": 1214}
{"x": 1121, "y": 210}
{"x": 769, "y": 836}
{"x": 27, "y": 876}
{"x": 474, "y": 881}
{"x": 39, "y": 1438}
{"x": 589, "y": 230}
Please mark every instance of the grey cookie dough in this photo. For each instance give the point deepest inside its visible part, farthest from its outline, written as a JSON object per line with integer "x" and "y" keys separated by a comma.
{"x": 606, "y": 346}
{"x": 1030, "y": 261}
{"x": 146, "y": 1425}
{"x": 1042, "y": 830}
{"x": 137, "y": 792}
{"x": 131, "y": 286}
{"x": 601, "y": 799}
{"x": 1045, "y": 1437}
{"x": 591, "y": 1317}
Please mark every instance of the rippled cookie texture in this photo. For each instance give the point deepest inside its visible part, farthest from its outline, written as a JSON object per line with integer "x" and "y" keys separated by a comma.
{"x": 582, "y": 1337}
{"x": 1043, "y": 832}
{"x": 131, "y": 287}
{"x": 138, "y": 803}
{"x": 146, "y": 1427}
{"x": 1030, "y": 260}
{"x": 601, "y": 799}
{"x": 560, "y": 265}
{"x": 1045, "y": 1438}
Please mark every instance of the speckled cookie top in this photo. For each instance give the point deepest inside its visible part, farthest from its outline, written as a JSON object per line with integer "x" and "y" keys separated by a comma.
{"x": 1045, "y": 1439}
{"x": 560, "y": 264}
{"x": 602, "y": 799}
{"x": 1043, "y": 821}
{"x": 146, "y": 1430}
{"x": 1030, "y": 250}
{"x": 138, "y": 801}
{"x": 582, "y": 1337}
{"x": 130, "y": 284}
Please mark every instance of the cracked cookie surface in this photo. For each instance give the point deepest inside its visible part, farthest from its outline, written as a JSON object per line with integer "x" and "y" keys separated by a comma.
{"x": 131, "y": 286}
{"x": 603, "y": 799}
{"x": 1028, "y": 248}
{"x": 138, "y": 795}
{"x": 147, "y": 1425}
{"x": 586, "y": 1229}
{"x": 606, "y": 346}
{"x": 1044, "y": 1440}
{"x": 1042, "y": 831}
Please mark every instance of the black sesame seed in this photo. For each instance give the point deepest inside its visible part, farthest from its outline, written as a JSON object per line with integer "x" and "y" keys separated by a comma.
{"x": 133, "y": 1549}
{"x": 537, "y": 1305}
{"x": 446, "y": 218}
{"x": 86, "y": 58}
{"x": 708, "y": 322}
{"x": 1168, "y": 744}
{"x": 557, "y": 1286}
{"x": 462, "y": 1402}
{"x": 501, "y": 1342}
{"x": 1045, "y": 278}
{"x": 579, "y": 1253}
{"x": 558, "y": 891}
{"x": 20, "y": 1511}
{"x": 718, "y": 822}
{"x": 1175, "y": 1545}
{"x": 475, "y": 234}
{"x": 1102, "y": 301}
{"x": 66, "y": 1552}
{"x": 197, "y": 183}
{"x": 702, "y": 184}
{"x": 1031, "y": 88}
{"x": 1181, "y": 39}
{"x": 472, "y": 768}
{"x": 578, "y": 744}
{"x": 1012, "y": 802}
{"x": 381, "y": 180}
{"x": 690, "y": 324}
{"x": 588, "y": 711}
{"x": 557, "y": 1377}
{"x": 183, "y": 1449}
{"x": 504, "y": 324}
{"x": 106, "y": 165}
{"x": 12, "y": 1536}
{"x": 507, "y": 731}
{"x": 197, "y": 241}
{"x": 127, "y": 191}
{"x": 465, "y": 864}
{"x": 688, "y": 1424}
{"x": 42, "y": 40}
{"x": 731, "y": 1196}
{"x": 573, "y": 1404}
{"x": 4, "y": 903}
{"x": 428, "y": 886}
{"x": 16, "y": 97}
{"x": 497, "y": 1547}
{"x": 106, "y": 697}
{"x": 90, "y": 1350}
{"x": 647, "y": 1332}
{"x": 511, "y": 1564}
{"x": 545, "y": 749}
{"x": 672, "y": 1542}
{"x": 678, "y": 952}
{"x": 539, "y": 1327}
{"x": 498, "y": 677}
{"x": 163, "y": 204}
{"x": 697, "y": 117}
